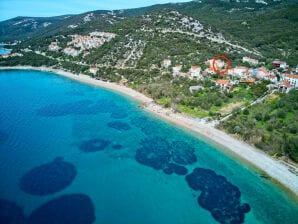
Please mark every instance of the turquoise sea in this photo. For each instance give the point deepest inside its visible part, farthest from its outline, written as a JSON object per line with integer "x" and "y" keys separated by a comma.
{"x": 74, "y": 153}
{"x": 3, "y": 50}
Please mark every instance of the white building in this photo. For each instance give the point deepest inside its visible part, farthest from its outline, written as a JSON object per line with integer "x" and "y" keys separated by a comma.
{"x": 193, "y": 89}
{"x": 54, "y": 46}
{"x": 177, "y": 69}
{"x": 240, "y": 71}
{"x": 223, "y": 84}
{"x": 251, "y": 61}
{"x": 166, "y": 63}
{"x": 285, "y": 86}
{"x": 271, "y": 78}
{"x": 195, "y": 72}
{"x": 93, "y": 70}
{"x": 291, "y": 78}
{"x": 71, "y": 51}
{"x": 279, "y": 64}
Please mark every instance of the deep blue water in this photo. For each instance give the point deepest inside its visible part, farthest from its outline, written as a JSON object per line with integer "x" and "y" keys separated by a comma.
{"x": 74, "y": 153}
{"x": 4, "y": 51}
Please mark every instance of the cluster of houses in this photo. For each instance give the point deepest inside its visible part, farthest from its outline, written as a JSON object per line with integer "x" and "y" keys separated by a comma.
{"x": 283, "y": 81}
{"x": 81, "y": 43}
{"x": 11, "y": 55}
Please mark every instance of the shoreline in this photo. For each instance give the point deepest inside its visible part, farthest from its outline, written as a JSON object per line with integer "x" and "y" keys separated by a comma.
{"x": 276, "y": 169}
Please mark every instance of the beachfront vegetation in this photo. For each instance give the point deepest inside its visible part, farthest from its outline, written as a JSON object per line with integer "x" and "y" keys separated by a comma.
{"x": 271, "y": 125}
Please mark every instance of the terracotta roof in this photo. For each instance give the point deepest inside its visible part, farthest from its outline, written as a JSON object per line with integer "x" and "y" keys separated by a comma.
{"x": 286, "y": 84}
{"x": 93, "y": 68}
{"x": 250, "y": 80}
{"x": 271, "y": 77}
{"x": 291, "y": 76}
{"x": 222, "y": 81}
{"x": 195, "y": 67}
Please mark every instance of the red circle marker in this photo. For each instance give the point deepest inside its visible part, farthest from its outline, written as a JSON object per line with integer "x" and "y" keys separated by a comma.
{"x": 214, "y": 67}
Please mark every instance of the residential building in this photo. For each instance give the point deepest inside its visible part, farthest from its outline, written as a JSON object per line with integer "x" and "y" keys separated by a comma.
{"x": 209, "y": 71}
{"x": 271, "y": 78}
{"x": 261, "y": 73}
{"x": 11, "y": 55}
{"x": 193, "y": 89}
{"x": 291, "y": 78}
{"x": 93, "y": 70}
{"x": 279, "y": 64}
{"x": 250, "y": 80}
{"x": 251, "y": 61}
{"x": 71, "y": 51}
{"x": 240, "y": 71}
{"x": 54, "y": 46}
{"x": 284, "y": 86}
{"x": 166, "y": 63}
{"x": 195, "y": 72}
{"x": 184, "y": 74}
{"x": 177, "y": 69}
{"x": 223, "y": 84}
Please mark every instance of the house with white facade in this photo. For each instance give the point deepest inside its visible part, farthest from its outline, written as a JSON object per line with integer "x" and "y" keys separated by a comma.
{"x": 93, "y": 70}
{"x": 271, "y": 78}
{"x": 241, "y": 71}
{"x": 291, "y": 78}
{"x": 285, "y": 86}
{"x": 71, "y": 51}
{"x": 279, "y": 64}
{"x": 166, "y": 63}
{"x": 54, "y": 46}
{"x": 193, "y": 89}
{"x": 223, "y": 84}
{"x": 177, "y": 70}
{"x": 195, "y": 72}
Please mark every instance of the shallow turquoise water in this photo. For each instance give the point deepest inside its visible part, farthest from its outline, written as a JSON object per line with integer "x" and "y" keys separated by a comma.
{"x": 3, "y": 51}
{"x": 44, "y": 116}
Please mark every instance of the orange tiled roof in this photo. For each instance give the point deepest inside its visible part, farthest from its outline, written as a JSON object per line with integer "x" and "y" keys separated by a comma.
{"x": 195, "y": 67}
{"x": 286, "y": 84}
{"x": 250, "y": 80}
{"x": 222, "y": 81}
{"x": 270, "y": 77}
{"x": 291, "y": 76}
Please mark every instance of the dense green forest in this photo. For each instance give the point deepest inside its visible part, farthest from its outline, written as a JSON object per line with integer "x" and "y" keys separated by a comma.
{"x": 29, "y": 58}
{"x": 271, "y": 125}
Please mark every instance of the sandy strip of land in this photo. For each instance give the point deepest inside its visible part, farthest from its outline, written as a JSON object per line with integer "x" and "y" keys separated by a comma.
{"x": 276, "y": 169}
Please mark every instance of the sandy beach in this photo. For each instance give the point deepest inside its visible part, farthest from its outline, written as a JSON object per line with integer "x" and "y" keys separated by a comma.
{"x": 281, "y": 172}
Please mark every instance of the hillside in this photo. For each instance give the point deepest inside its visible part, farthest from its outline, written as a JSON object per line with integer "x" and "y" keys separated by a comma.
{"x": 270, "y": 28}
